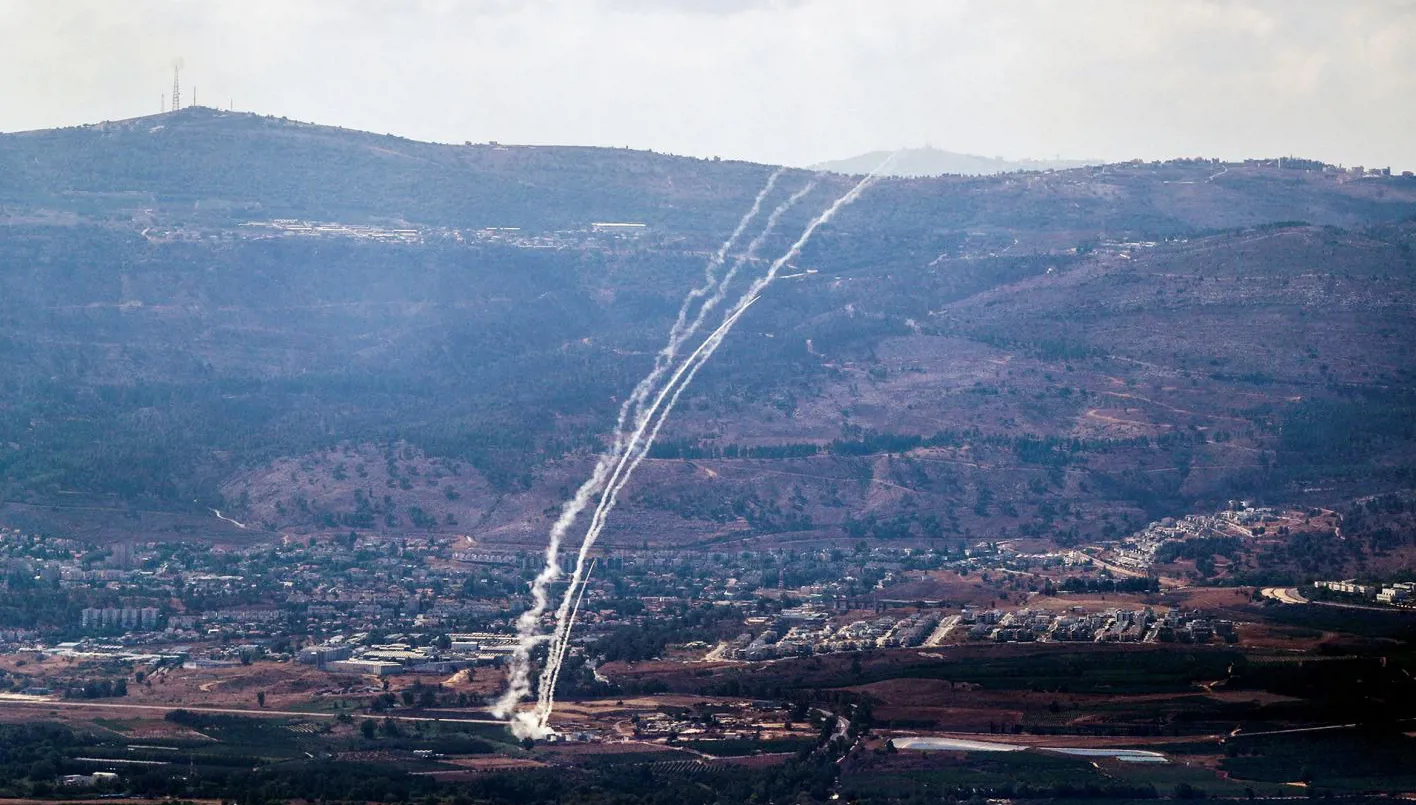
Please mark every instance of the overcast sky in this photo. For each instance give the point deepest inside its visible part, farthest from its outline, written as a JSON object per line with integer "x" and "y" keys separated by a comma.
{"x": 789, "y": 81}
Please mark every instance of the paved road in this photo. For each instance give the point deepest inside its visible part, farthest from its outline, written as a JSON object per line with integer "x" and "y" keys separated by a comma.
{"x": 235, "y": 711}
{"x": 1285, "y": 595}
{"x": 1125, "y": 571}
{"x": 942, "y": 631}
{"x": 1237, "y": 734}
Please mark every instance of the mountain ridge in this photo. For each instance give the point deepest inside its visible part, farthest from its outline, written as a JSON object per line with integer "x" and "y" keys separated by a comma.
{"x": 929, "y": 161}
{"x": 1037, "y": 355}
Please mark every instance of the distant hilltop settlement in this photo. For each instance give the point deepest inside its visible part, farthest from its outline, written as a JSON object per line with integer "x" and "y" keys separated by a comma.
{"x": 595, "y": 235}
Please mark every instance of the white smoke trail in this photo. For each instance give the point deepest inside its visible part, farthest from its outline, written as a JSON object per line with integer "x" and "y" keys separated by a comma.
{"x": 574, "y": 612}
{"x": 560, "y": 655}
{"x": 682, "y": 331}
{"x": 528, "y": 624}
{"x": 548, "y": 673}
{"x": 749, "y": 253}
{"x": 562, "y": 630}
{"x": 677, "y": 333}
{"x": 585, "y": 582}
{"x": 635, "y": 452}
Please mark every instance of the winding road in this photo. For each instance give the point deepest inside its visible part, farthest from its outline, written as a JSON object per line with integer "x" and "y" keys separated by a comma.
{"x": 1284, "y": 595}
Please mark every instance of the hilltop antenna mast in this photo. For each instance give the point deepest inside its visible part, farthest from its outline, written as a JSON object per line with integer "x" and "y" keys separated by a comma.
{"x": 176, "y": 85}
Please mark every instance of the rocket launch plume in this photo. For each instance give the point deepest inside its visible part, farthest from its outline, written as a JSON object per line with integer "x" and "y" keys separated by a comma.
{"x": 610, "y": 494}
{"x": 528, "y": 624}
{"x": 638, "y": 447}
{"x": 556, "y": 656}
{"x": 630, "y": 458}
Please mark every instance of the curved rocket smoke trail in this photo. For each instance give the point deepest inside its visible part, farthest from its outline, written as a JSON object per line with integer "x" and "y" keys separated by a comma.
{"x": 528, "y": 624}
{"x": 630, "y": 459}
{"x": 610, "y": 493}
{"x": 636, "y": 450}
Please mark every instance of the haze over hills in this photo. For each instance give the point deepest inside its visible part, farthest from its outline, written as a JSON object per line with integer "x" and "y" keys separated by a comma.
{"x": 340, "y": 466}
{"x": 312, "y": 328}
{"x": 930, "y": 161}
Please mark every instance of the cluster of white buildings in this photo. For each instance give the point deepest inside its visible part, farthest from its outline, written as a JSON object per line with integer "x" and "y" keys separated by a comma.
{"x": 16, "y": 635}
{"x": 119, "y": 618}
{"x": 1402, "y": 593}
{"x": 1138, "y": 551}
{"x": 352, "y": 656}
{"x": 1110, "y": 626}
{"x": 796, "y": 635}
{"x": 88, "y": 780}
{"x": 597, "y": 234}
{"x": 807, "y": 630}
{"x": 1397, "y": 593}
{"x": 295, "y": 227}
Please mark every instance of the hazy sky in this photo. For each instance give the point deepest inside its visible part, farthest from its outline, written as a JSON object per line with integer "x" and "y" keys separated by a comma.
{"x": 792, "y": 81}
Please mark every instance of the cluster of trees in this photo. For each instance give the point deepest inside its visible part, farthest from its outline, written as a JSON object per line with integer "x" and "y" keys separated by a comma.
{"x": 423, "y": 697}
{"x": 695, "y": 449}
{"x": 634, "y": 643}
{"x": 27, "y": 602}
{"x": 33, "y": 755}
{"x": 1097, "y": 584}
{"x": 1047, "y": 451}
{"x": 1384, "y": 522}
{"x": 1198, "y": 548}
{"x": 1342, "y": 434}
{"x": 710, "y": 503}
{"x": 97, "y": 689}
{"x": 1310, "y": 553}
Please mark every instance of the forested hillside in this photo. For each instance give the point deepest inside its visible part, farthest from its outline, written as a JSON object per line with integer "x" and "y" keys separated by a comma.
{"x": 1049, "y": 354}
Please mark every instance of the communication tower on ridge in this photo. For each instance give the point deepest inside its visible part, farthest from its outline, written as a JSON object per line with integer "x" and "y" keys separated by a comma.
{"x": 176, "y": 85}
